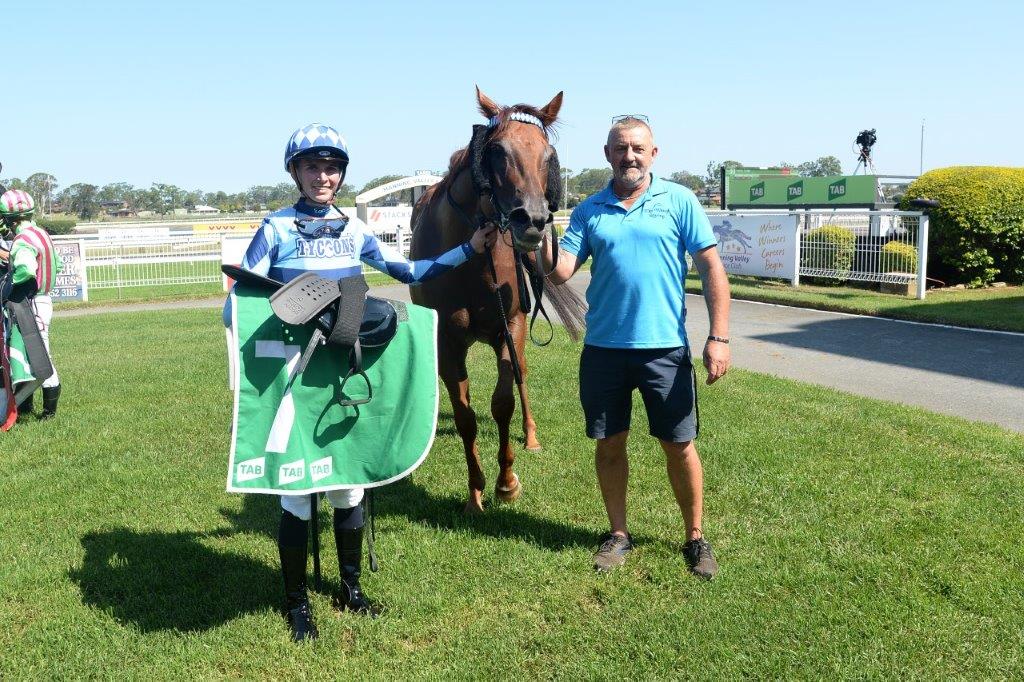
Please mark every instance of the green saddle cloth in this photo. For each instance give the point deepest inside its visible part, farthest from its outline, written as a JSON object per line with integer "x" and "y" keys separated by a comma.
{"x": 300, "y": 440}
{"x": 21, "y": 370}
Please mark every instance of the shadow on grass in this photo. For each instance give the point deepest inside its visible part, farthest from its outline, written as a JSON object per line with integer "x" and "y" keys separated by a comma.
{"x": 259, "y": 515}
{"x": 171, "y": 581}
{"x": 503, "y": 521}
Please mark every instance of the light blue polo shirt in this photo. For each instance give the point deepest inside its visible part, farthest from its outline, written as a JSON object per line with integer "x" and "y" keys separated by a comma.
{"x": 636, "y": 294}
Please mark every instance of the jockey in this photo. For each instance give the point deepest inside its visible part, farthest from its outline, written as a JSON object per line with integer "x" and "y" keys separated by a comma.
{"x": 315, "y": 236}
{"x": 35, "y": 266}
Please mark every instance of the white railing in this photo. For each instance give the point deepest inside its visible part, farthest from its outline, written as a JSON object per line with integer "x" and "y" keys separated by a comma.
{"x": 886, "y": 246}
{"x": 166, "y": 260}
{"x": 872, "y": 246}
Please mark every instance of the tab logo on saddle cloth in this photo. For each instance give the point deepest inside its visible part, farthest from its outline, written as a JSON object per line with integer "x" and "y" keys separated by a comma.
{"x": 292, "y": 472}
{"x": 251, "y": 469}
{"x": 326, "y": 247}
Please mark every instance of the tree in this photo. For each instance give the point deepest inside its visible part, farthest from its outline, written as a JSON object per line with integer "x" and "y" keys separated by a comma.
{"x": 80, "y": 198}
{"x": 115, "y": 192}
{"x": 42, "y": 187}
{"x": 12, "y": 183}
{"x": 590, "y": 181}
{"x": 346, "y": 195}
{"x": 687, "y": 179}
{"x": 711, "y": 173}
{"x": 825, "y": 165}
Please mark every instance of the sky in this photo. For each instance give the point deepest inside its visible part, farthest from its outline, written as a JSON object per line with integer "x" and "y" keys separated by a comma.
{"x": 204, "y": 95}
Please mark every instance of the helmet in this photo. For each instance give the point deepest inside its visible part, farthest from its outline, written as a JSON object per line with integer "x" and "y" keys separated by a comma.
{"x": 16, "y": 203}
{"x": 316, "y": 138}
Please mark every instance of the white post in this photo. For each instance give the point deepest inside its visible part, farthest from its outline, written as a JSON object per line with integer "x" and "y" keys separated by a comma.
{"x": 922, "y": 256}
{"x": 400, "y": 243}
{"x": 796, "y": 251}
{"x": 223, "y": 260}
{"x": 85, "y": 270}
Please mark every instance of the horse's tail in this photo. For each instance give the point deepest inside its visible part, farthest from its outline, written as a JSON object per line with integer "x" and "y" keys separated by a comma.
{"x": 571, "y": 309}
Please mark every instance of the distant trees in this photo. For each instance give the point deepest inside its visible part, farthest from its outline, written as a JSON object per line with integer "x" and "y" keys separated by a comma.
{"x": 80, "y": 199}
{"x": 688, "y": 179}
{"x": 42, "y": 187}
{"x": 825, "y": 165}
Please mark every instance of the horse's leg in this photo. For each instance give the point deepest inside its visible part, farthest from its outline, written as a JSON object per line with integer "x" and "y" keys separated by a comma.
{"x": 452, "y": 367}
{"x": 503, "y": 403}
{"x": 529, "y": 426}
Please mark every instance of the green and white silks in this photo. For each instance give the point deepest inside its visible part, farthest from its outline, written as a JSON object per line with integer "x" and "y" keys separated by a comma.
{"x": 301, "y": 440}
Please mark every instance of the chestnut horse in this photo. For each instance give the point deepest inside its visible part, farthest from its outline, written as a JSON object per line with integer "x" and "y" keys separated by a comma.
{"x": 508, "y": 175}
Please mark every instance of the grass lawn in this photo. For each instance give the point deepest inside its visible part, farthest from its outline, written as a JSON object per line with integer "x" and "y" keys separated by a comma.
{"x": 1001, "y": 308}
{"x": 857, "y": 538}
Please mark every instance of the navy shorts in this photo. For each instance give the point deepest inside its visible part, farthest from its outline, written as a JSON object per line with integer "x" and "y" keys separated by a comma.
{"x": 666, "y": 382}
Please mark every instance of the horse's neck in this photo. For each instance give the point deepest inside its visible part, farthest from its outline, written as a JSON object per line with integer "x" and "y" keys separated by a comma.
{"x": 464, "y": 192}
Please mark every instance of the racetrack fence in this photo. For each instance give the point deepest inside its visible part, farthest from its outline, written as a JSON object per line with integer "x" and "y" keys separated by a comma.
{"x": 140, "y": 261}
{"x": 888, "y": 246}
{"x": 849, "y": 245}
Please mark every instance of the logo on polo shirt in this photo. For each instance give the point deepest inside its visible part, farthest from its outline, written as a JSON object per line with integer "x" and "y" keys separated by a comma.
{"x": 656, "y": 210}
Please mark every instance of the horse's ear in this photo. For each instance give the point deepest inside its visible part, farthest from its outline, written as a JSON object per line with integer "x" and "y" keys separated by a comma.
{"x": 549, "y": 113}
{"x": 487, "y": 105}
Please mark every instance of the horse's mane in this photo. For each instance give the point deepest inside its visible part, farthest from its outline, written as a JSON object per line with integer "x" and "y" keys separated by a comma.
{"x": 460, "y": 158}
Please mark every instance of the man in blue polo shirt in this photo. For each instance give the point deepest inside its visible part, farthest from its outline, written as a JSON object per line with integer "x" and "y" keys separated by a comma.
{"x": 638, "y": 231}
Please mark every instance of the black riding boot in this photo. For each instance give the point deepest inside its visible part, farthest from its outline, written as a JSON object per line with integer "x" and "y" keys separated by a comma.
{"x": 350, "y": 556}
{"x": 50, "y": 396}
{"x": 25, "y": 407}
{"x": 292, "y": 537}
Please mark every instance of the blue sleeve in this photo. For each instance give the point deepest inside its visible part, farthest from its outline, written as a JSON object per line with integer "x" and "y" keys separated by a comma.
{"x": 262, "y": 249}
{"x": 258, "y": 258}
{"x": 390, "y": 261}
{"x": 574, "y": 240}
{"x": 695, "y": 226}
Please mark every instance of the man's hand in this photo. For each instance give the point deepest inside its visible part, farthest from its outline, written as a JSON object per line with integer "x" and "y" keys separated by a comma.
{"x": 484, "y": 237}
{"x": 717, "y": 359}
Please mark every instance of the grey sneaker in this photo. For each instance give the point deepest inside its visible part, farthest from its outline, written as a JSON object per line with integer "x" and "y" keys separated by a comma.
{"x": 612, "y": 552}
{"x": 700, "y": 558}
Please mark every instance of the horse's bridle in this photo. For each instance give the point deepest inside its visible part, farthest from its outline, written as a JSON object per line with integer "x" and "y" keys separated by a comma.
{"x": 482, "y": 184}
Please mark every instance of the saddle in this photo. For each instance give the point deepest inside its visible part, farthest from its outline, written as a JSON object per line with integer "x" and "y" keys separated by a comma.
{"x": 341, "y": 313}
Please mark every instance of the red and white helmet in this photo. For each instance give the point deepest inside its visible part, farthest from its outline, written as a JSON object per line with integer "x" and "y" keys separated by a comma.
{"x": 16, "y": 203}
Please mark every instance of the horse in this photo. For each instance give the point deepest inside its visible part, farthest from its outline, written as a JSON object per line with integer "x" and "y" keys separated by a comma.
{"x": 509, "y": 174}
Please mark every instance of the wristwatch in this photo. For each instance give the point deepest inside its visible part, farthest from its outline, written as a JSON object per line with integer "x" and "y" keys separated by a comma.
{"x": 719, "y": 339}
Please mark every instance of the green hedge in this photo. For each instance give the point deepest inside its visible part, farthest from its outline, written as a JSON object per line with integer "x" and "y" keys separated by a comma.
{"x": 56, "y": 225}
{"x": 976, "y": 236}
{"x": 830, "y": 247}
{"x": 899, "y": 257}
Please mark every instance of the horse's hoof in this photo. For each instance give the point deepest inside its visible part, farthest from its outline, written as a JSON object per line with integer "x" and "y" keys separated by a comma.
{"x": 473, "y": 508}
{"x": 534, "y": 448}
{"x": 510, "y": 494}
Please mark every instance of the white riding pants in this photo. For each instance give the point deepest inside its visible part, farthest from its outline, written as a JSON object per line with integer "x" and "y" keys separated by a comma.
{"x": 300, "y": 505}
{"x": 42, "y": 306}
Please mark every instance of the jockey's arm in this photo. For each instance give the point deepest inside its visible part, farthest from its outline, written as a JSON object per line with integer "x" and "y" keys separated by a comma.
{"x": 23, "y": 262}
{"x": 390, "y": 261}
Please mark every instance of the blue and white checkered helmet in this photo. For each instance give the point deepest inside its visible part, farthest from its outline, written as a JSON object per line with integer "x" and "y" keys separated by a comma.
{"x": 316, "y": 139}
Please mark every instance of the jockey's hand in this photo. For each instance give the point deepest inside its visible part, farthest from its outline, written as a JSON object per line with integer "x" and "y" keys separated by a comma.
{"x": 484, "y": 237}
{"x": 717, "y": 358}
